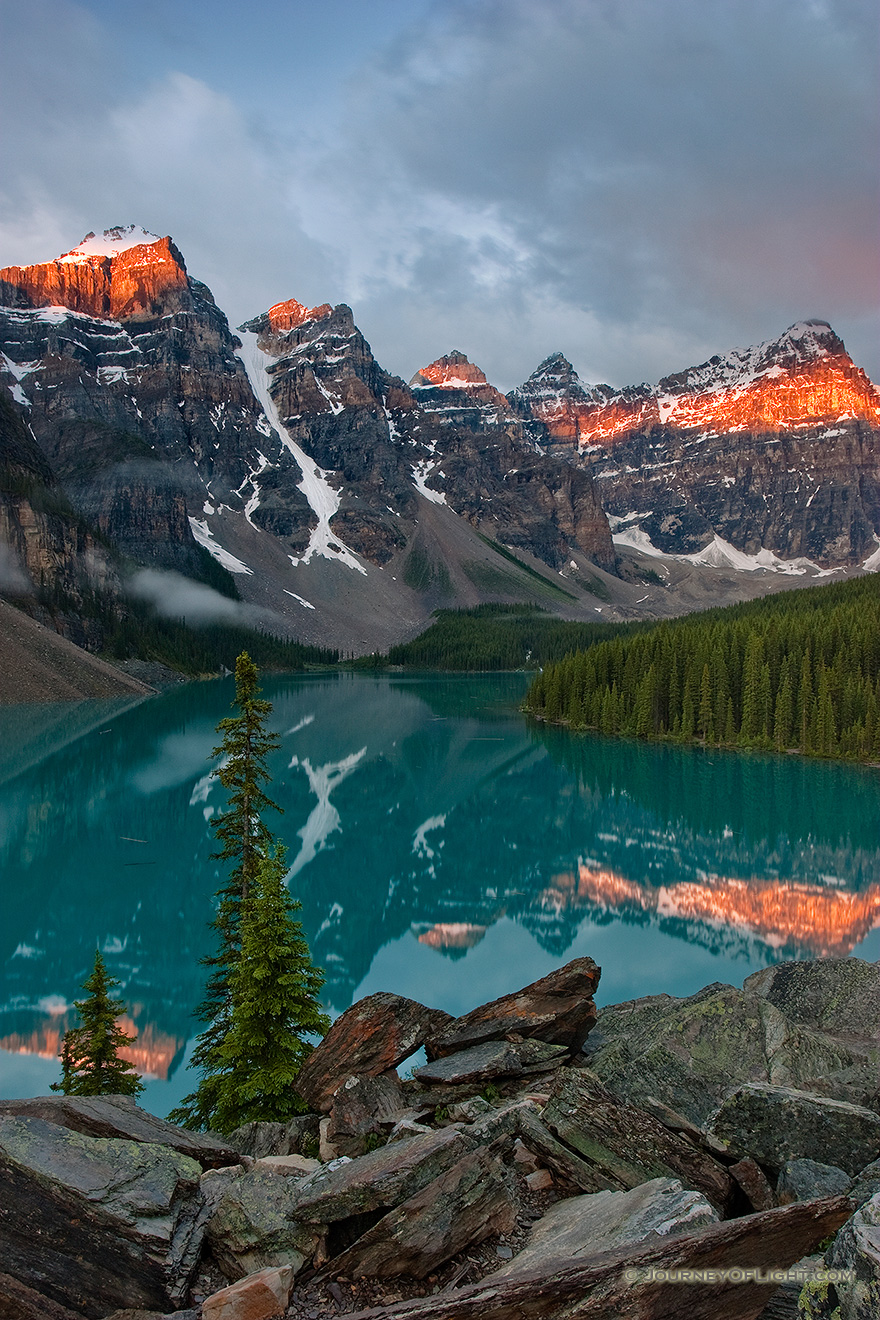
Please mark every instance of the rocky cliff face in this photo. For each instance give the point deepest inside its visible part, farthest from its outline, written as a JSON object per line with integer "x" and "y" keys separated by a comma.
{"x": 279, "y": 452}
{"x": 772, "y": 448}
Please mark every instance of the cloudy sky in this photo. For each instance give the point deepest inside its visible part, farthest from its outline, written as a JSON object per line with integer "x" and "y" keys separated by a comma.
{"x": 637, "y": 183}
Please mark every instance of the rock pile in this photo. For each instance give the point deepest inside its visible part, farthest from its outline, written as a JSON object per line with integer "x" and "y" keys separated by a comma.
{"x": 513, "y": 1175}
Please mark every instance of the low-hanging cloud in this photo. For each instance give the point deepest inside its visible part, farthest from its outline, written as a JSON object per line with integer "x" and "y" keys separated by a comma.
{"x": 13, "y": 579}
{"x": 175, "y": 596}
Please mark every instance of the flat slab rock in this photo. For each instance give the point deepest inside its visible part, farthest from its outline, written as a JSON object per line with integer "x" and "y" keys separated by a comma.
{"x": 459, "y": 1209}
{"x": 628, "y": 1145}
{"x": 97, "y": 1223}
{"x": 775, "y": 1124}
{"x": 261, "y": 1219}
{"x": 599, "y": 1289}
{"x": 374, "y": 1035}
{"x": 493, "y": 1059}
{"x": 119, "y": 1116}
{"x": 583, "y": 1226}
{"x": 558, "y": 1009}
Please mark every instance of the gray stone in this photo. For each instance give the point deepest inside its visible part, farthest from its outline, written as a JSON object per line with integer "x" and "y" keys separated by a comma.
{"x": 775, "y": 1124}
{"x": 492, "y": 1059}
{"x": 97, "y": 1223}
{"x": 119, "y": 1116}
{"x": 557, "y": 1009}
{"x": 625, "y": 1143}
{"x": 796, "y": 1024}
{"x": 466, "y": 1204}
{"x": 469, "y": 1111}
{"x": 299, "y": 1136}
{"x": 856, "y": 1248}
{"x": 866, "y": 1183}
{"x": 583, "y": 1226}
{"x": 808, "y": 1180}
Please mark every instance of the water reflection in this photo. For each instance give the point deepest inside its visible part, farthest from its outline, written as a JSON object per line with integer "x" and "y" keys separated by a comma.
{"x": 425, "y": 820}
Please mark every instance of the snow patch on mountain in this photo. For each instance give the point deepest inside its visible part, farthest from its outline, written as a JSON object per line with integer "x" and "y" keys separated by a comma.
{"x": 720, "y": 554}
{"x": 324, "y": 499}
{"x": 109, "y": 244}
{"x": 205, "y": 537}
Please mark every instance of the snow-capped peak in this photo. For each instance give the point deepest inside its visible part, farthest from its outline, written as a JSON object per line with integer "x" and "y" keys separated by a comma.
{"x": 110, "y": 243}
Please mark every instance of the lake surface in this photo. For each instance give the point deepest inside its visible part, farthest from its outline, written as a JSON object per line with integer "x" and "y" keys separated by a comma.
{"x": 442, "y": 848}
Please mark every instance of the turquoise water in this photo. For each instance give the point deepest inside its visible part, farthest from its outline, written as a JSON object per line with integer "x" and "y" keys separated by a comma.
{"x": 441, "y": 846}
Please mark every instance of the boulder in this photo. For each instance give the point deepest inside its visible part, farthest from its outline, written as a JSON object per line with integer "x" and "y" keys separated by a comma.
{"x": 583, "y": 1226}
{"x": 856, "y": 1252}
{"x": 807, "y": 1025}
{"x": 459, "y": 1209}
{"x": 258, "y": 1296}
{"x": 296, "y": 1166}
{"x": 363, "y": 1106}
{"x": 752, "y": 1179}
{"x": 493, "y": 1059}
{"x": 808, "y": 1180}
{"x": 558, "y": 1009}
{"x": 866, "y": 1184}
{"x": 97, "y": 1223}
{"x": 374, "y": 1035}
{"x": 775, "y": 1124}
{"x": 623, "y": 1284}
{"x": 299, "y": 1136}
{"x": 119, "y": 1116}
{"x": 261, "y": 1219}
{"x": 627, "y": 1144}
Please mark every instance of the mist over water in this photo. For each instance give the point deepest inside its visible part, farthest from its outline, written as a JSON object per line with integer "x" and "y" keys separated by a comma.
{"x": 441, "y": 846}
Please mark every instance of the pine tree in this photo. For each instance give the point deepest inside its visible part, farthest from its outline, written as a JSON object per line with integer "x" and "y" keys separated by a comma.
{"x": 247, "y": 841}
{"x": 90, "y": 1064}
{"x": 275, "y": 988}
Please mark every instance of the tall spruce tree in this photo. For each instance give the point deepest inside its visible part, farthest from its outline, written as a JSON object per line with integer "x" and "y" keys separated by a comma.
{"x": 247, "y": 842}
{"x": 90, "y": 1063}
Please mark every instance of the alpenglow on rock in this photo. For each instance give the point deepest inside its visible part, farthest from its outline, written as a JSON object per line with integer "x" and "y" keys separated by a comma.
{"x": 773, "y": 448}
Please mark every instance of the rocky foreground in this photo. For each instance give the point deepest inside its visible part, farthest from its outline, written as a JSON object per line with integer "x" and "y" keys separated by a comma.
{"x": 533, "y": 1167}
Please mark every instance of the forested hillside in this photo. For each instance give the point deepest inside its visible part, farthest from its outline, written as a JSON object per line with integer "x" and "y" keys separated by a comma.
{"x": 497, "y": 637}
{"x": 798, "y": 671}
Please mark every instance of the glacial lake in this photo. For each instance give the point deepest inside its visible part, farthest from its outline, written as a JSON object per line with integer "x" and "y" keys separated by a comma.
{"x": 442, "y": 847}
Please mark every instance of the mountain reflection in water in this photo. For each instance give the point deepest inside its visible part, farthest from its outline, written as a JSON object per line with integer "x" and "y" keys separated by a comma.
{"x": 425, "y": 821}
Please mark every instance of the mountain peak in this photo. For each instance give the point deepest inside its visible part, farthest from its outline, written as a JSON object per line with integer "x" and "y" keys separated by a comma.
{"x": 452, "y": 372}
{"x": 290, "y": 314}
{"x": 109, "y": 244}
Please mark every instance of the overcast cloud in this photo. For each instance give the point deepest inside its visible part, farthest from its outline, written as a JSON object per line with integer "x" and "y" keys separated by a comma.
{"x": 638, "y": 184}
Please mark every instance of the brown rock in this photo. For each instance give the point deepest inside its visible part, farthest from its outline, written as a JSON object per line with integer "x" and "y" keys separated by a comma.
{"x": 119, "y": 1116}
{"x": 363, "y": 1106}
{"x": 18, "y": 1302}
{"x": 625, "y": 1143}
{"x": 374, "y": 1035}
{"x": 461, "y": 1208}
{"x": 598, "y": 1289}
{"x": 539, "y": 1181}
{"x": 754, "y": 1182}
{"x": 256, "y": 1297}
{"x": 558, "y": 1009}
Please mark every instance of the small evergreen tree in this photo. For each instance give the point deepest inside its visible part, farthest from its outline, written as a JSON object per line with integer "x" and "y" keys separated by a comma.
{"x": 90, "y": 1064}
{"x": 275, "y": 1007}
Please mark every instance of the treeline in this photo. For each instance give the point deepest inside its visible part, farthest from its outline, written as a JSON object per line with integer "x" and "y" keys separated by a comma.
{"x": 797, "y": 671}
{"x": 495, "y": 637}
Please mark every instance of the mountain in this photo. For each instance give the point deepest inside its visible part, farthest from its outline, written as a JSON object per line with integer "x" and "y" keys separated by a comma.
{"x": 283, "y": 465}
{"x": 772, "y": 451}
